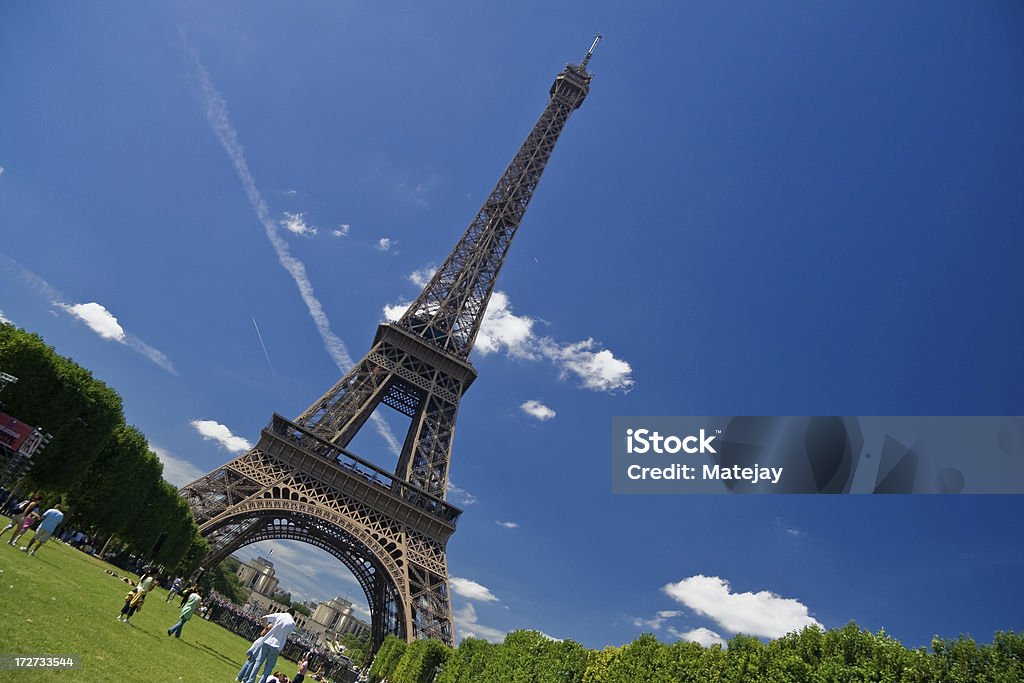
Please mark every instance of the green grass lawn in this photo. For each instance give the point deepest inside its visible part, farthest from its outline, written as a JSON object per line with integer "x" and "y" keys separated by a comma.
{"x": 62, "y": 602}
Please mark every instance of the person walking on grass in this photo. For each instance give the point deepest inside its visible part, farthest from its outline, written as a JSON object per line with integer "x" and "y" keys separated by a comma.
{"x": 191, "y": 605}
{"x": 24, "y": 509}
{"x": 51, "y": 518}
{"x": 281, "y": 626}
{"x": 187, "y": 592}
{"x": 175, "y": 588}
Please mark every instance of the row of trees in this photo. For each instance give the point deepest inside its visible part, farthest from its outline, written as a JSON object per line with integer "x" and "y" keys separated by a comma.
{"x": 843, "y": 655}
{"x": 101, "y": 468}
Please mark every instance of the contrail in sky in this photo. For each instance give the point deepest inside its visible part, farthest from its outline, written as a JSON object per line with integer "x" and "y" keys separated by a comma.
{"x": 264, "y": 347}
{"x": 217, "y": 115}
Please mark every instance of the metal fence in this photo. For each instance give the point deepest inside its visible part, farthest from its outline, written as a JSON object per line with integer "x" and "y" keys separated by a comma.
{"x": 335, "y": 668}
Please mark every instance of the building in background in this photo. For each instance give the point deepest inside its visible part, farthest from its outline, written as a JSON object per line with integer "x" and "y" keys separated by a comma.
{"x": 258, "y": 576}
{"x": 335, "y": 618}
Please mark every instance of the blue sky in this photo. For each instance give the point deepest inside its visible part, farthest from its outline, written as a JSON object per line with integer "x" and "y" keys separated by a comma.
{"x": 762, "y": 208}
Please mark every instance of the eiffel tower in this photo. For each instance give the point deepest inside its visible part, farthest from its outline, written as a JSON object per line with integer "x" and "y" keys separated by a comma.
{"x": 390, "y": 529}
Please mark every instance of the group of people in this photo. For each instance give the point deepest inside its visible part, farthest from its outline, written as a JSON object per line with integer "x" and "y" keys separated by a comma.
{"x": 25, "y": 514}
{"x": 264, "y": 651}
{"x": 262, "y": 654}
{"x": 134, "y": 600}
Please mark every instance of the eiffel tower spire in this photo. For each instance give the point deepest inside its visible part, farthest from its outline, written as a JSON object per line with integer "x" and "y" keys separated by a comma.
{"x": 448, "y": 312}
{"x": 389, "y": 528}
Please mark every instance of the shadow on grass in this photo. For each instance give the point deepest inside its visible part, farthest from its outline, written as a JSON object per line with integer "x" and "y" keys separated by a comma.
{"x": 215, "y": 653}
{"x": 143, "y": 630}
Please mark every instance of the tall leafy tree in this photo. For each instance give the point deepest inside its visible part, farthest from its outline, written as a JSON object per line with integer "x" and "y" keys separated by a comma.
{"x": 61, "y": 398}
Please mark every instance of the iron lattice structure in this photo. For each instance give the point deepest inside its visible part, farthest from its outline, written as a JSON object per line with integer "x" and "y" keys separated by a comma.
{"x": 389, "y": 528}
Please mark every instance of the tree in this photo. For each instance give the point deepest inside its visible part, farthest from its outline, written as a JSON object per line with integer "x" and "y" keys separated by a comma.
{"x": 419, "y": 662}
{"x": 388, "y": 656}
{"x": 223, "y": 578}
{"x": 63, "y": 399}
{"x": 356, "y": 647}
{"x": 469, "y": 662}
{"x": 111, "y": 492}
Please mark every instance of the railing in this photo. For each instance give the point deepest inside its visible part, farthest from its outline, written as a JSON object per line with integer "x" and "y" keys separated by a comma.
{"x": 387, "y": 481}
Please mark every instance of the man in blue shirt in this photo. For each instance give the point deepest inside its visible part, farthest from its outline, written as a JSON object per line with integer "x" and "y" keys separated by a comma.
{"x": 51, "y": 518}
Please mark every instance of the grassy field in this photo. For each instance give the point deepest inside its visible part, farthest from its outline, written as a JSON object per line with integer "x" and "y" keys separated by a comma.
{"x": 62, "y": 602}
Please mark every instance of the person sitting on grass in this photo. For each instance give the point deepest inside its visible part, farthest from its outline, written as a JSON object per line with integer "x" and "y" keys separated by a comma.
{"x": 191, "y": 605}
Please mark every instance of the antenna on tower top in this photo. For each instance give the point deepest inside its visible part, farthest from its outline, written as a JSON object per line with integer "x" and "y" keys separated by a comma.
{"x": 597, "y": 39}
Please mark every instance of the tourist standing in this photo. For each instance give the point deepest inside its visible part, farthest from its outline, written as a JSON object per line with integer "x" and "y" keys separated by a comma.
{"x": 51, "y": 518}
{"x": 132, "y": 604}
{"x": 191, "y": 605}
{"x": 250, "y": 654}
{"x": 281, "y": 626}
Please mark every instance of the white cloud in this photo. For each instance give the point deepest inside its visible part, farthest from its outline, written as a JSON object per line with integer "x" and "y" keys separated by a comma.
{"x": 468, "y": 588}
{"x": 395, "y": 312}
{"x": 177, "y": 471}
{"x": 538, "y": 410}
{"x": 341, "y": 231}
{"x": 215, "y": 431}
{"x": 599, "y": 370}
{"x": 383, "y": 244}
{"x": 467, "y": 626}
{"x": 1, "y": 170}
{"x": 421, "y": 277}
{"x": 703, "y": 636}
{"x": 657, "y": 621}
{"x": 794, "y": 532}
{"x": 502, "y": 330}
{"x": 5, "y": 319}
{"x": 98, "y": 319}
{"x": 507, "y": 525}
{"x": 460, "y": 496}
{"x": 102, "y": 322}
{"x": 763, "y": 614}
{"x": 217, "y": 116}
{"x": 295, "y": 223}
